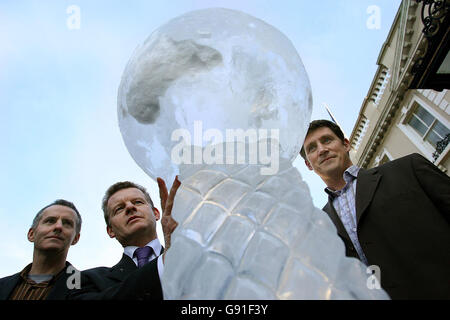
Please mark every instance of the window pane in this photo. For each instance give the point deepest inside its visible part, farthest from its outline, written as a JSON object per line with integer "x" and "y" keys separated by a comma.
{"x": 441, "y": 129}
{"x": 424, "y": 115}
{"x": 437, "y": 133}
{"x": 433, "y": 138}
{"x": 418, "y": 125}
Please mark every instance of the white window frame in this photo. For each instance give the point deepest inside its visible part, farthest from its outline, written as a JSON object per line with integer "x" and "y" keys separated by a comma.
{"x": 426, "y": 148}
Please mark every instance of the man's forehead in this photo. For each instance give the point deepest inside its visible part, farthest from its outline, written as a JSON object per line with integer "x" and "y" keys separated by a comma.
{"x": 318, "y": 133}
{"x": 125, "y": 194}
{"x": 59, "y": 210}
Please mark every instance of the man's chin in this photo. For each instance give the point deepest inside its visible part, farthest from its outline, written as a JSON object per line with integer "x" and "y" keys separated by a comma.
{"x": 327, "y": 161}
{"x": 52, "y": 249}
{"x": 330, "y": 169}
{"x": 136, "y": 231}
{"x": 137, "y": 223}
{"x": 140, "y": 226}
{"x": 135, "y": 220}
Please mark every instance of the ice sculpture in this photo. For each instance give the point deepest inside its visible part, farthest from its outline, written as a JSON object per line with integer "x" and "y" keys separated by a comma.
{"x": 223, "y": 100}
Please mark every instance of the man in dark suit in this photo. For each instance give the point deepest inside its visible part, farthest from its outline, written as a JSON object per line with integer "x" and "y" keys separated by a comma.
{"x": 395, "y": 216}
{"x": 131, "y": 217}
{"x": 55, "y": 228}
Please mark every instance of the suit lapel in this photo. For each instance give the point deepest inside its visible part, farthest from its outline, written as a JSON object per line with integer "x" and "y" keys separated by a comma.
{"x": 60, "y": 288}
{"x": 366, "y": 185}
{"x": 123, "y": 268}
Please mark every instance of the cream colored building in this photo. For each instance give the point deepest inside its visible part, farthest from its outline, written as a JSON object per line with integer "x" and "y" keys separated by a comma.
{"x": 407, "y": 108}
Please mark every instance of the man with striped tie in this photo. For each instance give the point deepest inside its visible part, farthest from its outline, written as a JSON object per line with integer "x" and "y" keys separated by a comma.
{"x": 54, "y": 229}
{"x": 130, "y": 218}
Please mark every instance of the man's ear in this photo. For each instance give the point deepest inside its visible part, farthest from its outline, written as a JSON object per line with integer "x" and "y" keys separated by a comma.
{"x": 347, "y": 144}
{"x": 30, "y": 235}
{"x": 110, "y": 232}
{"x": 75, "y": 240}
{"x": 308, "y": 165}
{"x": 156, "y": 213}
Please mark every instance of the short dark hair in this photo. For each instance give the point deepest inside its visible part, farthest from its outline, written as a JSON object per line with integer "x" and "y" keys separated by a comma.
{"x": 117, "y": 187}
{"x": 60, "y": 202}
{"x": 316, "y": 124}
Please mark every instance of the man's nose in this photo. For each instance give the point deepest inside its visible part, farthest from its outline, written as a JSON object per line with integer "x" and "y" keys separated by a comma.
{"x": 58, "y": 225}
{"x": 130, "y": 207}
{"x": 322, "y": 149}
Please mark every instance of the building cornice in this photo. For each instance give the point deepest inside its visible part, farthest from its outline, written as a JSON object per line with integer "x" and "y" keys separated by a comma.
{"x": 390, "y": 36}
{"x": 389, "y": 111}
{"x": 407, "y": 57}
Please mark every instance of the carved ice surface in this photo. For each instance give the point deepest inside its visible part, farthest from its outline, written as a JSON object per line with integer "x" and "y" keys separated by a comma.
{"x": 272, "y": 243}
{"x": 245, "y": 232}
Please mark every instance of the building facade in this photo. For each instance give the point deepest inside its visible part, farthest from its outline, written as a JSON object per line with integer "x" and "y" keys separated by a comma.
{"x": 407, "y": 108}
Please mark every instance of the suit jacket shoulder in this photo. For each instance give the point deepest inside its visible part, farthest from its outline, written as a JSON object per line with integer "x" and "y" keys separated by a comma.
{"x": 403, "y": 225}
{"x": 59, "y": 291}
{"x": 409, "y": 162}
{"x": 7, "y": 285}
{"x": 122, "y": 281}
{"x": 434, "y": 184}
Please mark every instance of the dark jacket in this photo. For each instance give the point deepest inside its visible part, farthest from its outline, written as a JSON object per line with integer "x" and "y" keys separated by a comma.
{"x": 123, "y": 281}
{"x": 59, "y": 290}
{"x": 403, "y": 216}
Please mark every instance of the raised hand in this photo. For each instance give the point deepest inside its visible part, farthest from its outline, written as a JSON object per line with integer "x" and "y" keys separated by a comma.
{"x": 168, "y": 223}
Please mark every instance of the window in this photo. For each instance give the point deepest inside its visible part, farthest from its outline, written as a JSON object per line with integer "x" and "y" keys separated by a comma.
{"x": 429, "y": 128}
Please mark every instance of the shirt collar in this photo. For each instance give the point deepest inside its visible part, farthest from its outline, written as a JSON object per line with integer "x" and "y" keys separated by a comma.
{"x": 349, "y": 175}
{"x": 24, "y": 275}
{"x": 25, "y": 271}
{"x": 154, "y": 244}
{"x": 351, "y": 171}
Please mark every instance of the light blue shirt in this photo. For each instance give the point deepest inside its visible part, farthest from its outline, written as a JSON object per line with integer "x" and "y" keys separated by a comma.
{"x": 345, "y": 205}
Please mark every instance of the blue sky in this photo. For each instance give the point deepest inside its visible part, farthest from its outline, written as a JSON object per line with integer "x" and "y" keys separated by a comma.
{"x": 58, "y": 88}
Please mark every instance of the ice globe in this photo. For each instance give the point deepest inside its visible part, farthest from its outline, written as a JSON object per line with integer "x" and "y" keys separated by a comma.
{"x": 209, "y": 71}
